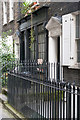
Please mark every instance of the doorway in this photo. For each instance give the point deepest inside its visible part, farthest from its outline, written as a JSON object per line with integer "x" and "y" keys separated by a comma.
{"x": 58, "y": 58}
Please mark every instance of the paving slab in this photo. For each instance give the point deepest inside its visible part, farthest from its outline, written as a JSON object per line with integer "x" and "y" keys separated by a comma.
{"x": 7, "y": 111}
{"x": 4, "y": 114}
{"x": 3, "y": 98}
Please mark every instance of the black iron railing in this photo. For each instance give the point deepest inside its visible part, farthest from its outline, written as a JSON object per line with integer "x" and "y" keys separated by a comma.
{"x": 32, "y": 69}
{"x": 4, "y": 69}
{"x": 39, "y": 99}
{"x": 38, "y": 92}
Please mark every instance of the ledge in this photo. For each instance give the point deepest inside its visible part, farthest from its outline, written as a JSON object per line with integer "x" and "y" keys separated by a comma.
{"x": 24, "y": 17}
{"x": 77, "y": 38}
{"x": 76, "y": 66}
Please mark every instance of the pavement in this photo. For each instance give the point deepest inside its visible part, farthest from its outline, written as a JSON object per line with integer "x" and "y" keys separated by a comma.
{"x": 7, "y": 111}
{"x": 3, "y": 98}
{"x": 4, "y": 113}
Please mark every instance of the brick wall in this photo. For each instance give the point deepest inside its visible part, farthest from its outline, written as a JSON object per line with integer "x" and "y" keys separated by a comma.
{"x": 13, "y": 25}
{"x": 71, "y": 75}
{"x": 61, "y": 8}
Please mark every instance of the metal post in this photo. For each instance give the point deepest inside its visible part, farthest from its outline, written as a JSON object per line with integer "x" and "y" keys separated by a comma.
{"x": 73, "y": 102}
{"x": 78, "y": 103}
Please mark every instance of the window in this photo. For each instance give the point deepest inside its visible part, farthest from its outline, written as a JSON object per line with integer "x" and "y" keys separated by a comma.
{"x": 41, "y": 46}
{"x": 38, "y": 48}
{"x": 33, "y": 47}
{"x": 41, "y": 43}
{"x": 17, "y": 50}
{"x": 78, "y": 36}
{"x": 78, "y": 26}
{"x": 4, "y": 13}
{"x": 78, "y": 50}
{"x": 33, "y": 51}
{"x": 11, "y": 10}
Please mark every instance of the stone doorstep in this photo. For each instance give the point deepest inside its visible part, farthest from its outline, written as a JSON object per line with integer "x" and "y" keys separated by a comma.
{"x": 8, "y": 107}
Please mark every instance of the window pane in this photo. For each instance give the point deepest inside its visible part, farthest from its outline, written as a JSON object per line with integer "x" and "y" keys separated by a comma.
{"x": 41, "y": 38}
{"x": 78, "y": 26}
{"x": 78, "y": 45}
{"x": 78, "y": 57}
{"x": 44, "y": 47}
{"x": 35, "y": 46}
{"x": 78, "y": 50}
{"x": 41, "y": 47}
{"x": 31, "y": 56}
{"x": 40, "y": 28}
{"x": 33, "y": 51}
{"x": 41, "y": 55}
{"x": 32, "y": 47}
{"x": 35, "y": 55}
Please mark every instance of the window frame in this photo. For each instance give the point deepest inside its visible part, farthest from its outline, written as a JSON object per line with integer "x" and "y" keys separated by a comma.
{"x": 4, "y": 13}
{"x": 38, "y": 55}
{"x": 11, "y": 11}
{"x": 78, "y": 36}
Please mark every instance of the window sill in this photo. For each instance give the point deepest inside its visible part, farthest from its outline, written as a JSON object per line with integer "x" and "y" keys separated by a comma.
{"x": 4, "y": 24}
{"x": 77, "y": 38}
{"x": 76, "y": 66}
{"x": 11, "y": 20}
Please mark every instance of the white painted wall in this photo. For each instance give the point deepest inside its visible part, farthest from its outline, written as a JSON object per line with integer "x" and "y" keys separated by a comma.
{"x": 52, "y": 49}
{"x": 54, "y": 28}
{"x": 17, "y": 48}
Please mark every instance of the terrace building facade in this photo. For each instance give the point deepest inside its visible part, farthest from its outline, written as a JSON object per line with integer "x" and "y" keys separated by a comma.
{"x": 49, "y": 63}
{"x": 56, "y": 29}
{"x": 10, "y": 13}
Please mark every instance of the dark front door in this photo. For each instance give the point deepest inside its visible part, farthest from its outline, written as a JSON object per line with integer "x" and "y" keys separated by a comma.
{"x": 22, "y": 47}
{"x": 58, "y": 58}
